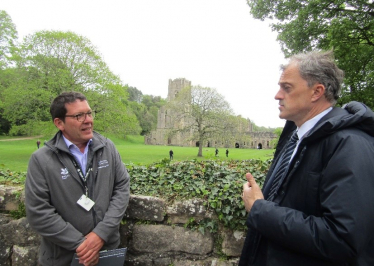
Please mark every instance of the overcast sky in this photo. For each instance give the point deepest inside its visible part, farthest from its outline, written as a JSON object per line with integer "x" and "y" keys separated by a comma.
{"x": 212, "y": 43}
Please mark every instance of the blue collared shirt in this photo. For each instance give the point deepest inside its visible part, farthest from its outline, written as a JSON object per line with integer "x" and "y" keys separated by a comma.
{"x": 80, "y": 157}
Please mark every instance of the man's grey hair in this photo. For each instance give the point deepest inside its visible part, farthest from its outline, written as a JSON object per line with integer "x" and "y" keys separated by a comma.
{"x": 319, "y": 67}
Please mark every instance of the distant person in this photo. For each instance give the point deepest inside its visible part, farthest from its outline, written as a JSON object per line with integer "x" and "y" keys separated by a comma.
{"x": 316, "y": 207}
{"x": 38, "y": 144}
{"x": 217, "y": 152}
{"x": 77, "y": 188}
{"x": 227, "y": 152}
{"x": 171, "y": 153}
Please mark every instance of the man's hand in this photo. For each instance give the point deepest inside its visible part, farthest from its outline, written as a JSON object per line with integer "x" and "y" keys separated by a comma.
{"x": 88, "y": 251}
{"x": 251, "y": 192}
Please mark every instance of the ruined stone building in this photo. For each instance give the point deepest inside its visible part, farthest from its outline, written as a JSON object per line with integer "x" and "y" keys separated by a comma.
{"x": 250, "y": 139}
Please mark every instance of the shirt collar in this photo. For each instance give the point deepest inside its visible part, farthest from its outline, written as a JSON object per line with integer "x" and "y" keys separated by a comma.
{"x": 308, "y": 125}
{"x": 70, "y": 144}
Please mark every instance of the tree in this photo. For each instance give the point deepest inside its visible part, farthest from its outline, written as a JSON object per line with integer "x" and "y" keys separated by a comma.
{"x": 65, "y": 61}
{"x": 278, "y": 132}
{"x": 199, "y": 110}
{"x": 235, "y": 130}
{"x": 145, "y": 108}
{"x": 135, "y": 95}
{"x": 50, "y": 62}
{"x": 113, "y": 115}
{"x": 346, "y": 27}
{"x": 8, "y": 36}
{"x": 146, "y": 120}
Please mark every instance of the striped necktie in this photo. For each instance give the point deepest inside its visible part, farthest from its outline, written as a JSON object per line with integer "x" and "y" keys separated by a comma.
{"x": 283, "y": 166}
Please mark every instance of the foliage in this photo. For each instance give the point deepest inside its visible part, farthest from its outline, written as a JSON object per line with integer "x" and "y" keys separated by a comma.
{"x": 65, "y": 61}
{"x": 12, "y": 178}
{"x": 200, "y": 110}
{"x": 8, "y": 36}
{"x": 50, "y": 62}
{"x": 278, "y": 132}
{"x": 202, "y": 226}
{"x": 347, "y": 27}
{"x": 113, "y": 115}
{"x": 33, "y": 128}
{"x": 20, "y": 212}
{"x": 146, "y": 109}
{"x": 135, "y": 95}
{"x": 234, "y": 130}
{"x": 257, "y": 128}
{"x": 220, "y": 183}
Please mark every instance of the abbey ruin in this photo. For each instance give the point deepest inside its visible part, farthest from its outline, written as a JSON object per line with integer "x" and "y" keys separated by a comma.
{"x": 249, "y": 139}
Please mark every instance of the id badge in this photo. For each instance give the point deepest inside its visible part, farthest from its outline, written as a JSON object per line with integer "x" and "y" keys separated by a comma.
{"x": 85, "y": 202}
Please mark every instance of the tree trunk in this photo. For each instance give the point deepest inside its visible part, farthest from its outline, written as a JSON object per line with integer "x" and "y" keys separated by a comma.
{"x": 200, "y": 153}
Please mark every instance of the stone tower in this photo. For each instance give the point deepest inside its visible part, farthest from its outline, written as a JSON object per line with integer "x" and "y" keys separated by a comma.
{"x": 176, "y": 86}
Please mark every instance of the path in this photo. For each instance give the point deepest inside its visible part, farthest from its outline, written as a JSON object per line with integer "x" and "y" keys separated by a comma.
{"x": 36, "y": 137}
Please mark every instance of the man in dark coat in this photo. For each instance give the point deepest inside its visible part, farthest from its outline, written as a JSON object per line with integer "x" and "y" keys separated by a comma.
{"x": 321, "y": 210}
{"x": 171, "y": 154}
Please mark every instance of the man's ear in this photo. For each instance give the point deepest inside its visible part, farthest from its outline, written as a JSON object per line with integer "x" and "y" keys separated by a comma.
{"x": 318, "y": 91}
{"x": 59, "y": 123}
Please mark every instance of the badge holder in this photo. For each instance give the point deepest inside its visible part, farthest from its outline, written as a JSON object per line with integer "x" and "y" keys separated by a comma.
{"x": 85, "y": 202}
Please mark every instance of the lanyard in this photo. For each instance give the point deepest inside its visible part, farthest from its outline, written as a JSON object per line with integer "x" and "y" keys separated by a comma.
{"x": 80, "y": 173}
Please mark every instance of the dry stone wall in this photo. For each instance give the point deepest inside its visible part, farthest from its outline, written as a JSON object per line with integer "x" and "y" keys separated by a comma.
{"x": 153, "y": 231}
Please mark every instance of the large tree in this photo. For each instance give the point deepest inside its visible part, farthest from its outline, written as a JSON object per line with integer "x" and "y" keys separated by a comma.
{"x": 8, "y": 37}
{"x": 346, "y": 27}
{"x": 199, "y": 110}
{"x": 65, "y": 61}
{"x": 50, "y": 62}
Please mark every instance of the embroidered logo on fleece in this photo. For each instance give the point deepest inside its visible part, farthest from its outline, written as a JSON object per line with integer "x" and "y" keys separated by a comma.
{"x": 64, "y": 173}
{"x": 103, "y": 163}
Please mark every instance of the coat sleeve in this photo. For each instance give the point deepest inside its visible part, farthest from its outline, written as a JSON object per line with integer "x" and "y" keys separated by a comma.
{"x": 108, "y": 227}
{"x": 346, "y": 199}
{"x": 41, "y": 214}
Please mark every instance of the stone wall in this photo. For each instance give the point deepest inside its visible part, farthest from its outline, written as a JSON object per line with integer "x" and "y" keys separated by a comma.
{"x": 153, "y": 231}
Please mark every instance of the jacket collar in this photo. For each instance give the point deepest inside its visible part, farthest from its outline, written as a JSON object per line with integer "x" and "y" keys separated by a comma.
{"x": 57, "y": 143}
{"x": 352, "y": 115}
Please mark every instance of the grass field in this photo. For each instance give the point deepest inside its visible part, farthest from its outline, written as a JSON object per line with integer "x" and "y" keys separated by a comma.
{"x": 15, "y": 154}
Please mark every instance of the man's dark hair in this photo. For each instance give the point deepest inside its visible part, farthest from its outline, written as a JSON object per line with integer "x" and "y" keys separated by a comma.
{"x": 58, "y": 109}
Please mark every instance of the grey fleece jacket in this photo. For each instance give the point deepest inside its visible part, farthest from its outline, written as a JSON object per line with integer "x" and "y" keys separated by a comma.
{"x": 53, "y": 188}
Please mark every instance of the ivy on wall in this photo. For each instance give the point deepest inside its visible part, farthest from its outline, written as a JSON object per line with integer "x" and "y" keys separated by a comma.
{"x": 220, "y": 183}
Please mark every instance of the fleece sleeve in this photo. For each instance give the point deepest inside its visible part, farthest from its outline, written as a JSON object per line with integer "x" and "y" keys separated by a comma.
{"x": 41, "y": 214}
{"x": 119, "y": 199}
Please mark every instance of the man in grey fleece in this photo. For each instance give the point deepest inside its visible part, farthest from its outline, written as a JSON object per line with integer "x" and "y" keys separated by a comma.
{"x": 77, "y": 188}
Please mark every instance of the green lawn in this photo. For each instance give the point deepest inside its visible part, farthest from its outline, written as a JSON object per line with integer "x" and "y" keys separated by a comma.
{"x": 14, "y": 154}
